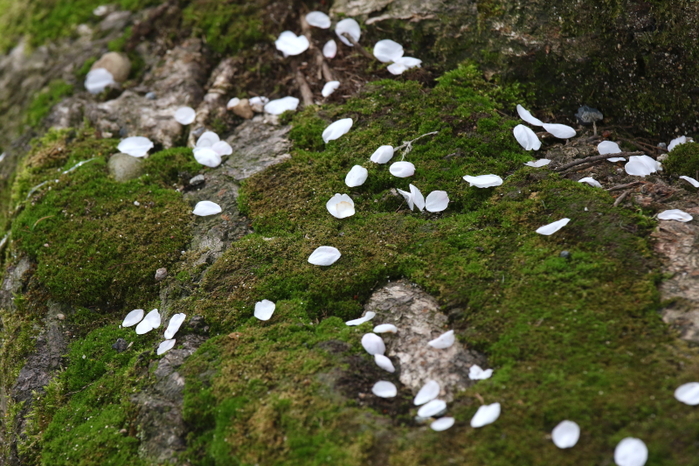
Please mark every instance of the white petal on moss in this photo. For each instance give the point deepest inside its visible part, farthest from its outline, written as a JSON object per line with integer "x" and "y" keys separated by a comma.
{"x": 132, "y": 318}
{"x": 135, "y": 146}
{"x": 641, "y": 165}
{"x": 631, "y": 452}
{"x": 403, "y": 64}
{"x": 350, "y": 27}
{"x": 337, "y": 129}
{"x": 559, "y": 131}
{"x": 688, "y": 393}
{"x": 526, "y": 137}
{"x": 382, "y": 155}
{"x": 387, "y": 51}
{"x": 483, "y": 181}
{"x": 608, "y": 147}
{"x": 433, "y": 408}
{"x": 690, "y": 180}
{"x": 222, "y": 148}
{"x": 427, "y": 393}
{"x": 553, "y": 227}
{"x": 279, "y": 106}
{"x": 264, "y": 309}
{"x": 340, "y": 206}
{"x": 384, "y": 363}
{"x": 591, "y": 181}
{"x": 486, "y": 414}
{"x": 98, "y": 80}
{"x": 185, "y": 115}
{"x": 165, "y": 346}
{"x": 565, "y": 434}
{"x": 476, "y": 373}
{"x": 526, "y": 115}
{"x": 616, "y": 159}
{"x": 318, "y": 19}
{"x": 538, "y": 163}
{"x": 174, "y": 325}
{"x": 443, "y": 341}
{"x": 151, "y": 321}
{"x": 329, "y": 88}
{"x": 207, "y": 156}
{"x": 330, "y": 49}
{"x": 385, "y": 328}
{"x": 443, "y": 423}
{"x": 290, "y": 44}
{"x": 356, "y": 176}
{"x": 234, "y": 102}
{"x": 408, "y": 198}
{"x": 437, "y": 201}
{"x": 675, "y": 214}
{"x": 676, "y": 142}
{"x": 384, "y": 389}
{"x": 208, "y": 139}
{"x": 373, "y": 344}
{"x": 418, "y": 198}
{"x": 324, "y": 255}
{"x": 365, "y": 318}
{"x": 205, "y": 208}
{"x": 402, "y": 169}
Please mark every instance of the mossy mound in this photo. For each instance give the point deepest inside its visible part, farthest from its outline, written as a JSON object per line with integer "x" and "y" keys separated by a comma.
{"x": 683, "y": 160}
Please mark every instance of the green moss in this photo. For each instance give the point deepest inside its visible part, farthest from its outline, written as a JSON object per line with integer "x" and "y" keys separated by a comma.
{"x": 683, "y": 160}
{"x": 43, "y": 101}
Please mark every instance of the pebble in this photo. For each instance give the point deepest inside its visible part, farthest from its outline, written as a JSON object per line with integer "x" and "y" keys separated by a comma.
{"x": 199, "y": 179}
{"x": 60, "y": 316}
{"x": 160, "y": 274}
{"x": 120, "y": 345}
{"x": 151, "y": 96}
{"x": 566, "y": 255}
{"x": 116, "y": 63}
{"x": 123, "y": 167}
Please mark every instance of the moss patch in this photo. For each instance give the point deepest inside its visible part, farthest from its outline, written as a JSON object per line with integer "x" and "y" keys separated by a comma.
{"x": 683, "y": 160}
{"x": 43, "y": 102}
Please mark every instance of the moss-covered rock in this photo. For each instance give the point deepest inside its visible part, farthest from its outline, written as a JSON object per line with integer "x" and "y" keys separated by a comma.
{"x": 683, "y": 160}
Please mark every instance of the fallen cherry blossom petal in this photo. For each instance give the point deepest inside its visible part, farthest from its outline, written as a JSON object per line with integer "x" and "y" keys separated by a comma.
{"x": 174, "y": 325}
{"x": 676, "y": 142}
{"x": 324, "y": 255}
{"x": 526, "y": 137}
{"x": 553, "y": 227}
{"x": 382, "y": 155}
{"x": 98, "y": 80}
{"x": 290, "y": 44}
{"x": 337, "y": 129}
{"x": 356, "y": 176}
{"x": 384, "y": 363}
{"x": 387, "y": 51}
{"x": 526, "y": 115}
{"x": 234, "y": 102}
{"x": 675, "y": 214}
{"x": 591, "y": 181}
{"x": 384, "y": 389}
{"x": 340, "y": 206}
{"x": 443, "y": 341}
{"x": 151, "y": 321}
{"x": 403, "y": 64}
{"x": 279, "y": 106}
{"x": 165, "y": 346}
{"x": 264, "y": 309}
{"x": 329, "y": 88}
{"x": 688, "y": 393}
{"x": 428, "y": 392}
{"x": 135, "y": 146}
{"x": 476, "y": 373}
{"x": 690, "y": 180}
{"x": 318, "y": 19}
{"x": 443, "y": 423}
{"x": 402, "y": 169}
{"x": 222, "y": 148}
{"x": 432, "y": 408}
{"x": 205, "y": 208}
{"x": 366, "y": 318}
{"x": 608, "y": 147}
{"x": 330, "y": 49}
{"x": 437, "y": 201}
{"x": 207, "y": 139}
{"x": 350, "y": 27}
{"x": 631, "y": 452}
{"x": 641, "y": 165}
{"x": 185, "y": 115}
{"x": 258, "y": 103}
{"x": 538, "y": 163}
{"x": 207, "y": 156}
{"x": 559, "y": 131}
{"x": 385, "y": 328}
{"x": 132, "y": 318}
{"x": 373, "y": 343}
{"x": 565, "y": 434}
{"x": 616, "y": 159}
{"x": 486, "y": 414}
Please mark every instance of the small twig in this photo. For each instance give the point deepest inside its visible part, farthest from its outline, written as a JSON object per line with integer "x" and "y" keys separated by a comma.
{"x": 624, "y": 186}
{"x": 42, "y": 218}
{"x": 480, "y": 398}
{"x": 594, "y": 158}
{"x": 643, "y": 144}
{"x": 361, "y": 49}
{"x": 305, "y": 89}
{"x": 407, "y": 146}
{"x": 621, "y": 197}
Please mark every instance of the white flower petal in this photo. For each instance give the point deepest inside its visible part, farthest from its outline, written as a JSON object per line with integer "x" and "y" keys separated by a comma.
{"x": 676, "y": 142}
{"x": 222, "y": 148}
{"x": 290, "y": 44}
{"x": 428, "y": 392}
{"x": 329, "y": 88}
{"x": 443, "y": 341}
{"x": 402, "y": 169}
{"x": 185, "y": 115}
{"x": 132, "y": 318}
{"x": 437, "y": 201}
{"x": 418, "y": 198}
{"x": 165, "y": 346}
{"x": 279, "y": 106}
{"x": 151, "y": 321}
{"x": 385, "y": 328}
{"x": 330, "y": 49}
{"x": 264, "y": 309}
{"x": 373, "y": 343}
{"x": 641, "y": 165}
{"x": 340, "y": 206}
{"x": 324, "y": 255}
{"x": 356, "y": 176}
{"x": 387, "y": 51}
{"x": 400, "y": 65}
{"x": 382, "y": 155}
{"x": 204, "y": 208}
{"x": 525, "y": 115}
{"x": 348, "y": 26}
{"x": 258, "y": 103}
{"x": 476, "y": 373}
{"x": 616, "y": 159}
{"x": 631, "y": 452}
{"x": 483, "y": 181}
{"x": 234, "y": 102}
{"x": 366, "y": 318}
{"x": 688, "y": 393}
{"x": 690, "y": 180}
{"x": 208, "y": 139}
{"x": 526, "y": 137}
{"x": 433, "y": 408}
{"x": 135, "y": 146}
{"x": 538, "y": 163}
{"x": 408, "y": 197}
{"x": 591, "y": 181}
{"x": 384, "y": 389}
{"x": 443, "y": 423}
{"x": 553, "y": 227}
{"x": 566, "y": 434}
{"x": 608, "y": 147}
{"x": 396, "y": 69}
{"x": 560, "y": 131}
{"x": 207, "y": 156}
{"x": 174, "y": 325}
{"x": 337, "y": 129}
{"x": 98, "y": 80}
{"x": 486, "y": 414}
{"x": 675, "y": 214}
{"x": 384, "y": 363}
{"x": 318, "y": 19}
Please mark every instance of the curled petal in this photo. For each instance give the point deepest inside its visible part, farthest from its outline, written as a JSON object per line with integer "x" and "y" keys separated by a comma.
{"x": 641, "y": 165}
{"x": 690, "y": 180}
{"x": 185, "y": 115}
{"x": 350, "y": 27}
{"x": 525, "y": 115}
{"x": 340, "y": 206}
{"x": 208, "y": 139}
{"x": 318, "y": 19}
{"x": 538, "y": 163}
{"x": 290, "y": 44}
{"x": 418, "y": 198}
{"x": 560, "y": 131}
{"x": 174, "y": 325}
{"x": 443, "y": 341}
{"x": 476, "y": 373}
{"x": 151, "y": 321}
{"x": 526, "y": 138}
{"x": 675, "y": 214}
{"x": 366, "y": 318}
{"x": 608, "y": 147}
{"x": 222, "y": 148}
{"x": 207, "y": 156}
{"x": 591, "y": 181}
{"x": 387, "y": 51}
{"x": 553, "y": 227}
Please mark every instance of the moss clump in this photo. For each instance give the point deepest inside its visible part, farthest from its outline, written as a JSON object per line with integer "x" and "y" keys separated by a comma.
{"x": 43, "y": 102}
{"x": 683, "y": 160}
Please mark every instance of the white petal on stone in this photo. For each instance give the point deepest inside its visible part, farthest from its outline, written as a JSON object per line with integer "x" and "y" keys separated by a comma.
{"x": 329, "y": 88}
{"x": 675, "y": 214}
{"x": 258, "y": 103}
{"x": 387, "y": 51}
{"x": 340, "y": 206}
{"x": 641, "y": 165}
{"x": 526, "y": 115}
{"x": 279, "y": 106}
{"x": 98, "y": 80}
{"x": 264, "y": 309}
{"x": 687, "y": 393}
{"x": 433, "y": 408}
{"x": 486, "y": 414}
{"x": 483, "y": 181}
{"x": 185, "y": 115}
{"x": 151, "y": 321}
{"x": 385, "y": 328}
{"x": 337, "y": 129}
{"x": 476, "y": 373}
{"x": 553, "y": 227}
{"x": 135, "y": 146}
{"x": 538, "y": 163}
{"x": 208, "y": 139}
{"x": 384, "y": 363}
{"x": 428, "y": 392}
{"x": 373, "y": 343}
{"x": 356, "y": 176}
{"x": 443, "y": 423}
{"x": 324, "y": 255}
{"x": 384, "y": 389}
{"x": 608, "y": 147}
{"x": 443, "y": 341}
{"x": 616, "y": 159}
{"x": 132, "y": 318}
{"x": 690, "y": 180}
{"x": 437, "y": 201}
{"x": 348, "y": 26}
{"x": 591, "y": 181}
{"x": 204, "y": 208}
{"x": 330, "y": 49}
{"x": 382, "y": 155}
{"x": 165, "y": 346}
{"x": 418, "y": 198}
{"x": 233, "y": 103}
{"x": 559, "y": 131}
{"x": 222, "y": 148}
{"x": 207, "y": 156}
{"x": 174, "y": 325}
{"x": 366, "y": 318}
{"x": 402, "y": 169}
{"x": 408, "y": 197}
{"x": 318, "y": 19}
{"x": 676, "y": 142}
{"x": 565, "y": 434}
{"x": 526, "y": 137}
{"x": 290, "y": 44}
{"x": 631, "y": 452}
